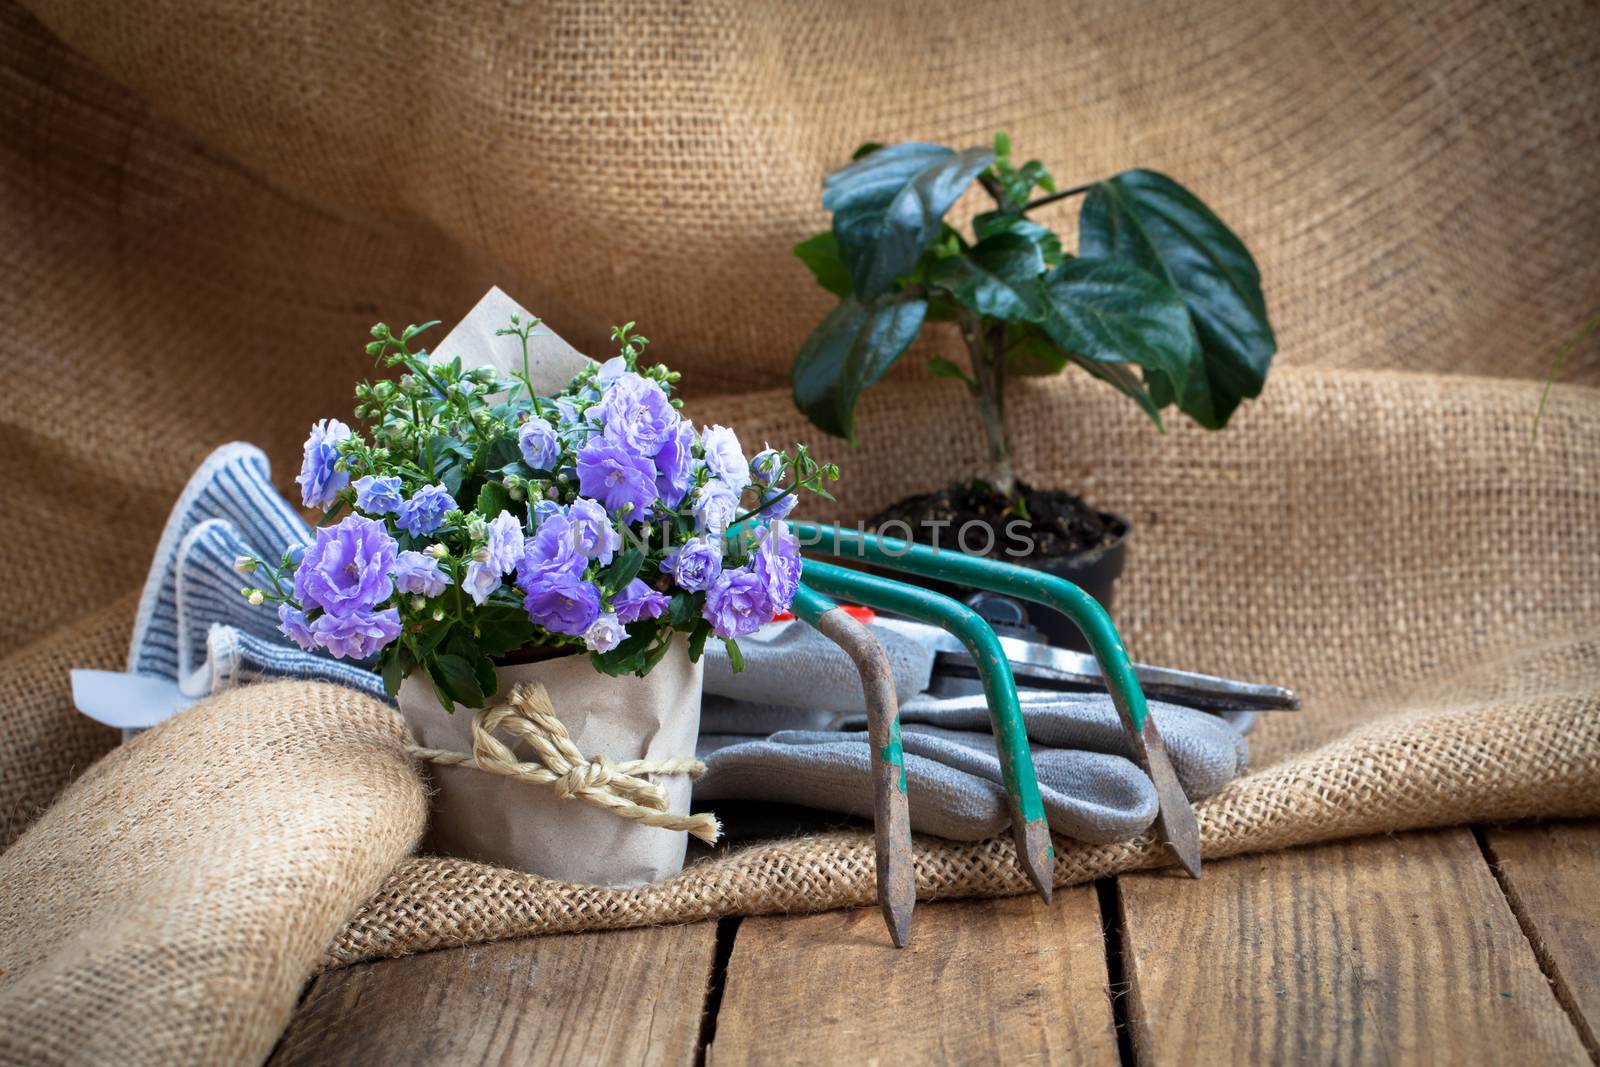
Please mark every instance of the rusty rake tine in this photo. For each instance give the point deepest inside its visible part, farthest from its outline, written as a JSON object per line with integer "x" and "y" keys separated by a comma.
{"x": 897, "y": 874}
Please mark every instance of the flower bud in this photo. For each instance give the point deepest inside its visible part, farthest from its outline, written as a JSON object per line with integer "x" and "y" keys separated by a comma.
{"x": 438, "y": 614}
{"x": 244, "y": 564}
{"x": 380, "y": 331}
{"x": 436, "y": 551}
{"x": 418, "y": 603}
{"x": 374, "y": 347}
{"x": 552, "y": 493}
{"x": 383, "y": 390}
{"x": 477, "y": 529}
{"x": 481, "y": 555}
{"x": 511, "y": 481}
{"x": 256, "y": 598}
{"x": 516, "y": 493}
{"x": 363, "y": 391}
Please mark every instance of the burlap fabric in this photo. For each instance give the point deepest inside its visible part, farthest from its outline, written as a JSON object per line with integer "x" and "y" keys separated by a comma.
{"x": 202, "y": 208}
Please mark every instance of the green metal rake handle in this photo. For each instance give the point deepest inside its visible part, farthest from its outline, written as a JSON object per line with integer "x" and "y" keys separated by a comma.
{"x": 1008, "y": 578}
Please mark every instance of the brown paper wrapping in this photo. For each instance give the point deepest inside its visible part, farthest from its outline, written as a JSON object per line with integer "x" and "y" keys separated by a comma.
{"x": 498, "y": 820}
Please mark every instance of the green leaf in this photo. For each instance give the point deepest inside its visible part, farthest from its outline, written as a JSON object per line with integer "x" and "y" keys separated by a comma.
{"x": 1124, "y": 381}
{"x": 456, "y": 678}
{"x": 1030, "y": 352}
{"x": 681, "y": 610}
{"x": 866, "y": 148}
{"x": 393, "y": 668}
{"x": 852, "y": 348}
{"x": 940, "y": 367}
{"x": 998, "y": 278}
{"x": 993, "y": 223}
{"x": 1152, "y": 221}
{"x": 623, "y": 570}
{"x": 821, "y": 254}
{"x": 889, "y": 205}
{"x": 1111, "y": 312}
{"x": 492, "y": 499}
{"x": 501, "y": 629}
{"x": 697, "y": 641}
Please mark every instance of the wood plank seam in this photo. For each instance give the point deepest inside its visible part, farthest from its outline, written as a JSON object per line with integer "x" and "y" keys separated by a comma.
{"x": 1541, "y": 950}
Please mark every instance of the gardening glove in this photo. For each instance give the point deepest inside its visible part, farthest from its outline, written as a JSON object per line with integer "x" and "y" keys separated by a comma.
{"x": 193, "y": 634}
{"x": 792, "y": 664}
{"x": 1092, "y": 789}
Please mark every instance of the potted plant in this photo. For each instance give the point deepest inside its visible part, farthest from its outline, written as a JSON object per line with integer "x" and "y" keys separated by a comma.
{"x": 1162, "y": 301}
{"x": 556, "y": 561}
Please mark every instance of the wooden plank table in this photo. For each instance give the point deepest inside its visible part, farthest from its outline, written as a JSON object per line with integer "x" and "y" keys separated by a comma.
{"x": 1456, "y": 946}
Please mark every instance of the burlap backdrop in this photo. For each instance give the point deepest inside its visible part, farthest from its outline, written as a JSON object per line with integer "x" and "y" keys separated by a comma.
{"x": 205, "y": 206}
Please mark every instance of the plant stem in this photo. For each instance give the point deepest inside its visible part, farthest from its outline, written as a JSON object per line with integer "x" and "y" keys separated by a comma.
{"x": 1053, "y": 197}
{"x": 988, "y": 384}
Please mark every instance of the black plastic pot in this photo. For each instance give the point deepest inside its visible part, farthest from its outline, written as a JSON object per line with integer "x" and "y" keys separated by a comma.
{"x": 1095, "y": 572}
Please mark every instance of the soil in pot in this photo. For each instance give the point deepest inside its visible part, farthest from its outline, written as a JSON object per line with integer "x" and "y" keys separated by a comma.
{"x": 1058, "y": 533}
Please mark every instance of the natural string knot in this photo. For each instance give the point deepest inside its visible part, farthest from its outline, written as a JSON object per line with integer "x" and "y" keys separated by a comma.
{"x": 620, "y": 787}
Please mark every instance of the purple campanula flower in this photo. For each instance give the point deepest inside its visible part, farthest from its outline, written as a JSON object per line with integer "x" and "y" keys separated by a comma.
{"x": 562, "y": 603}
{"x": 480, "y": 581}
{"x": 417, "y": 574}
{"x": 347, "y": 568}
{"x": 504, "y": 543}
{"x": 767, "y": 466}
{"x": 737, "y": 604}
{"x": 539, "y": 445}
{"x": 618, "y": 478}
{"x": 775, "y": 506}
{"x": 637, "y": 414}
{"x": 357, "y": 635}
{"x": 566, "y": 411}
{"x": 695, "y": 564}
{"x": 675, "y": 464}
{"x": 593, "y": 534}
{"x": 425, "y": 511}
{"x": 777, "y": 563}
{"x": 716, "y": 505}
{"x": 551, "y": 550}
{"x": 292, "y": 624}
{"x": 320, "y": 483}
{"x": 638, "y": 601}
{"x": 378, "y": 494}
{"x": 725, "y": 457}
{"x": 611, "y": 370}
{"x": 604, "y": 634}
{"x": 544, "y": 508}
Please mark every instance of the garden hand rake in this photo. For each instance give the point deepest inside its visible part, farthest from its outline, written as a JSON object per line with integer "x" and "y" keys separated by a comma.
{"x": 1175, "y": 822}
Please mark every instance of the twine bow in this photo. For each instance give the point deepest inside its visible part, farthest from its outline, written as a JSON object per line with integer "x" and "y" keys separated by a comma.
{"x": 619, "y": 787}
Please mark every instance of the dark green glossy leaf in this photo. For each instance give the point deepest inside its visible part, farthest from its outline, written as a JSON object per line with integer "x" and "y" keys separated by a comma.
{"x": 847, "y": 353}
{"x": 623, "y": 570}
{"x": 821, "y": 254}
{"x": 492, "y": 500}
{"x": 1112, "y": 312}
{"x": 393, "y": 668}
{"x": 997, "y": 278}
{"x": 1151, "y": 220}
{"x": 889, "y": 205}
{"x": 697, "y": 641}
{"x": 502, "y": 628}
{"x": 1122, "y": 378}
{"x": 994, "y": 223}
{"x": 456, "y": 678}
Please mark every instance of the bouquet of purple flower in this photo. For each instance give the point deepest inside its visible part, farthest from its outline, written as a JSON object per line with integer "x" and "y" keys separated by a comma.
{"x": 475, "y": 518}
